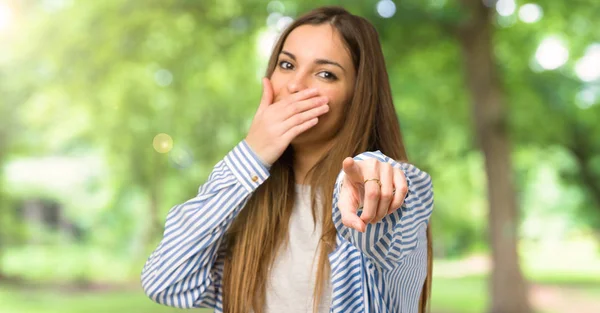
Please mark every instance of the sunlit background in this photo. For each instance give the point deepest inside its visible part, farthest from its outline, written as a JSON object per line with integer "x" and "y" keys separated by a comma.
{"x": 113, "y": 111}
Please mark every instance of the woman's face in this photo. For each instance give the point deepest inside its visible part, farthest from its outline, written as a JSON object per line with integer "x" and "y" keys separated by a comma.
{"x": 316, "y": 57}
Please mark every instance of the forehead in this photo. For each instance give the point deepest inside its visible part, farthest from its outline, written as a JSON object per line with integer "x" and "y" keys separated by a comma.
{"x": 317, "y": 41}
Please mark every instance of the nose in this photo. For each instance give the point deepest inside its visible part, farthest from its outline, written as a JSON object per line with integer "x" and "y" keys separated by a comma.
{"x": 297, "y": 83}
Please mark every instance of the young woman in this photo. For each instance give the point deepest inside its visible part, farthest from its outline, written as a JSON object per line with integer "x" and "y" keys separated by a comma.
{"x": 316, "y": 210}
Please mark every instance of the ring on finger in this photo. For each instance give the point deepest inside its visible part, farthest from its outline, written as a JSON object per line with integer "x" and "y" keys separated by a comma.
{"x": 373, "y": 179}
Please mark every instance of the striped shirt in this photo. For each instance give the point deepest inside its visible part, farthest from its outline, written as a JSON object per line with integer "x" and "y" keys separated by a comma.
{"x": 380, "y": 270}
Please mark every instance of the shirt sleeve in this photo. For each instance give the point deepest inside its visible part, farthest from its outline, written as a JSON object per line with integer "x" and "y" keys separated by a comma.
{"x": 185, "y": 270}
{"x": 387, "y": 242}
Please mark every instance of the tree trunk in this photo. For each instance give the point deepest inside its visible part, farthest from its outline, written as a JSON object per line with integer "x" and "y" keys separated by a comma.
{"x": 581, "y": 148}
{"x": 154, "y": 186}
{"x": 155, "y": 223}
{"x": 4, "y": 210}
{"x": 508, "y": 287}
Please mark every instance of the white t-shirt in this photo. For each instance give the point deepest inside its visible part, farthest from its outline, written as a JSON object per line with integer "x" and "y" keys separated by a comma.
{"x": 292, "y": 278}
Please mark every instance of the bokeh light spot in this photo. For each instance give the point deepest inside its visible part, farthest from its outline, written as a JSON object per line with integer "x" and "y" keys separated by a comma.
{"x": 386, "y": 8}
{"x": 530, "y": 13}
{"x": 283, "y": 23}
{"x": 506, "y": 21}
{"x": 163, "y": 77}
{"x": 239, "y": 24}
{"x": 588, "y": 67}
{"x": 275, "y": 7}
{"x": 162, "y": 143}
{"x": 181, "y": 157}
{"x": 437, "y": 3}
{"x": 273, "y": 18}
{"x": 506, "y": 7}
{"x": 587, "y": 97}
{"x": 6, "y": 17}
{"x": 551, "y": 53}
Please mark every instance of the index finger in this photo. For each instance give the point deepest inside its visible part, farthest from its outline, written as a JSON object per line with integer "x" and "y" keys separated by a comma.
{"x": 349, "y": 210}
{"x": 352, "y": 170}
{"x": 301, "y": 95}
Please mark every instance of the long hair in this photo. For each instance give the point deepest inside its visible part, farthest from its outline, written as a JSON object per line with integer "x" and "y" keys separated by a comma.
{"x": 369, "y": 123}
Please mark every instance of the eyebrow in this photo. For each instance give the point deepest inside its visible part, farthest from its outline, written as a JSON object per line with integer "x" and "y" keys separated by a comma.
{"x": 317, "y": 61}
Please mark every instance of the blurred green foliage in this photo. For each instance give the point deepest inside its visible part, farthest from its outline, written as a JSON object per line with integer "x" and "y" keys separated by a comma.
{"x": 94, "y": 82}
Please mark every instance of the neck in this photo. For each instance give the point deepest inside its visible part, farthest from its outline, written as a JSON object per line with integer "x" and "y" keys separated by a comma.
{"x": 306, "y": 156}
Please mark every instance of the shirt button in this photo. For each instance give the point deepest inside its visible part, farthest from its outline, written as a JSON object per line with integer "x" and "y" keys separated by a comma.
{"x": 254, "y": 178}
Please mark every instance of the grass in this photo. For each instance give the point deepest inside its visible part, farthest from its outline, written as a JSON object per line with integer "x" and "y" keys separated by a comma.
{"x": 16, "y": 300}
{"x": 464, "y": 295}
{"x": 470, "y": 294}
{"x": 450, "y": 295}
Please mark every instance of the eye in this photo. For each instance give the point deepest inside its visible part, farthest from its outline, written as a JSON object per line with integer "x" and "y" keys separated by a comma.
{"x": 327, "y": 75}
{"x": 285, "y": 65}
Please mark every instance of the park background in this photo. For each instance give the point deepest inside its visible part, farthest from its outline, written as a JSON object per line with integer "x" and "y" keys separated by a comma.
{"x": 113, "y": 111}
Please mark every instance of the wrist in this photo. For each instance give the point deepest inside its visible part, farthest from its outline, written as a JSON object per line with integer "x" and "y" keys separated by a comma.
{"x": 257, "y": 155}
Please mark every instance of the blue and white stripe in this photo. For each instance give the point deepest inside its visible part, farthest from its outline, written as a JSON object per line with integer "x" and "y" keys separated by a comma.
{"x": 381, "y": 270}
